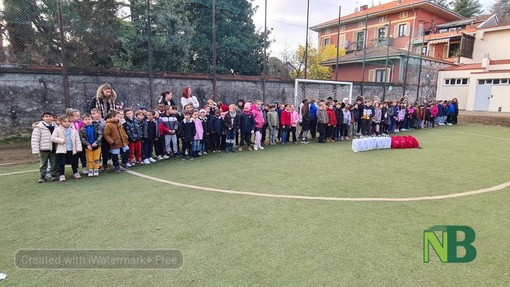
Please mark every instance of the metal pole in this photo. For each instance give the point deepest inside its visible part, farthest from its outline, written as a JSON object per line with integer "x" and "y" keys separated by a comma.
{"x": 65, "y": 80}
{"x": 407, "y": 61}
{"x": 214, "y": 47}
{"x": 149, "y": 46}
{"x": 338, "y": 43}
{"x": 386, "y": 63}
{"x": 365, "y": 39}
{"x": 306, "y": 44}
{"x": 264, "y": 67}
{"x": 421, "y": 63}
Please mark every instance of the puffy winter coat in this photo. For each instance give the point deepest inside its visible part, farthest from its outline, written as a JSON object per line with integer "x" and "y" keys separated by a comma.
{"x": 59, "y": 137}
{"x": 41, "y": 138}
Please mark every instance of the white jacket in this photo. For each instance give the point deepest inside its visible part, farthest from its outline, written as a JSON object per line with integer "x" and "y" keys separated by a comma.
{"x": 59, "y": 137}
{"x": 41, "y": 138}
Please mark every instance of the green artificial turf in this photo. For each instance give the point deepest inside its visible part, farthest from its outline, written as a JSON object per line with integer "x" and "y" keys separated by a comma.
{"x": 239, "y": 240}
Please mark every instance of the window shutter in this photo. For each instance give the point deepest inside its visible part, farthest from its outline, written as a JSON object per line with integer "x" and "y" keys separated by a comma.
{"x": 408, "y": 28}
{"x": 388, "y": 75}
{"x": 445, "y": 51}
{"x": 395, "y": 31}
{"x": 371, "y": 75}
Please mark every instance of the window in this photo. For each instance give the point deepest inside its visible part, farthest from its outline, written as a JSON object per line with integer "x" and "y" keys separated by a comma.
{"x": 328, "y": 31}
{"x": 488, "y": 81}
{"x": 360, "y": 40}
{"x": 481, "y": 82}
{"x": 383, "y": 19}
{"x": 402, "y": 30}
{"x": 456, "y": 82}
{"x": 403, "y": 15}
{"x": 504, "y": 81}
{"x": 342, "y": 27}
{"x": 361, "y": 24}
{"x": 380, "y": 75}
{"x": 496, "y": 81}
{"x": 381, "y": 33}
{"x": 327, "y": 41}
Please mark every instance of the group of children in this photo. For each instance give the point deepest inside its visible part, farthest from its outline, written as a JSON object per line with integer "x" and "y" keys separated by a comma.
{"x": 129, "y": 137}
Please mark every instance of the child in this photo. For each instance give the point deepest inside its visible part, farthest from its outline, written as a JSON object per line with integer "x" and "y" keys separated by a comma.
{"x": 366, "y": 118}
{"x": 68, "y": 146}
{"x": 133, "y": 128}
{"x": 246, "y": 126}
{"x": 265, "y": 110}
{"x": 169, "y": 118}
{"x": 91, "y": 137}
{"x": 187, "y": 133}
{"x": 294, "y": 120}
{"x": 117, "y": 138}
{"x": 42, "y": 145}
{"x": 159, "y": 144}
{"x": 386, "y": 118}
{"x": 216, "y": 128}
{"x": 322, "y": 122}
{"x": 285, "y": 122}
{"x": 339, "y": 114}
{"x": 199, "y": 135}
{"x": 272, "y": 123}
{"x": 231, "y": 123}
{"x": 377, "y": 118}
{"x": 206, "y": 139}
{"x": 344, "y": 131}
{"x": 150, "y": 134}
{"x": 105, "y": 148}
{"x": 259, "y": 123}
{"x": 421, "y": 116}
{"x": 76, "y": 121}
{"x": 305, "y": 121}
{"x": 354, "y": 121}
{"x": 331, "y": 123}
{"x": 401, "y": 114}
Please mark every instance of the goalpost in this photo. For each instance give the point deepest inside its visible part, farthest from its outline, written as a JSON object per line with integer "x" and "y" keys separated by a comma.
{"x": 321, "y": 90}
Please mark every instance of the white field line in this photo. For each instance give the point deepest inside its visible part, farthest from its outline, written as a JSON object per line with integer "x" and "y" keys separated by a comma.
{"x": 18, "y": 172}
{"x": 11, "y": 163}
{"x": 322, "y": 198}
{"x": 478, "y": 135}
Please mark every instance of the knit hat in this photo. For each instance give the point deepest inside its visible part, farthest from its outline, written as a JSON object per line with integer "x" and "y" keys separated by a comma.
{"x": 202, "y": 111}
{"x": 224, "y": 108}
{"x": 247, "y": 106}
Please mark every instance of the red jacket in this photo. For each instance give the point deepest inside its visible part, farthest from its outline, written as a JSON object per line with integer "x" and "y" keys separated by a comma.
{"x": 331, "y": 117}
{"x": 163, "y": 130}
{"x": 285, "y": 118}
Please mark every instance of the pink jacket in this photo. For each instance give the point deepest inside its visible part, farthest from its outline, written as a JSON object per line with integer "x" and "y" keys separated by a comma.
{"x": 434, "y": 111}
{"x": 294, "y": 119}
{"x": 259, "y": 117}
{"x": 199, "y": 134}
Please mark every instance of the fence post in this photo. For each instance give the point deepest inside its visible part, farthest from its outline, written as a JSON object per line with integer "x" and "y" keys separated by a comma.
{"x": 65, "y": 80}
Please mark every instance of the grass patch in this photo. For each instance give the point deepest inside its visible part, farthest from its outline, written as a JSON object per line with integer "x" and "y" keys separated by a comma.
{"x": 234, "y": 240}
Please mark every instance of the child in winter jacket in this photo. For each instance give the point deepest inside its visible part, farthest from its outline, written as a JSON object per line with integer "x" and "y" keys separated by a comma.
{"x": 272, "y": 123}
{"x": 199, "y": 135}
{"x": 187, "y": 134}
{"x": 246, "y": 126}
{"x": 116, "y": 137}
{"x": 231, "y": 123}
{"x": 216, "y": 129}
{"x": 331, "y": 123}
{"x": 42, "y": 145}
{"x": 91, "y": 137}
{"x": 68, "y": 146}
{"x": 169, "y": 118}
{"x": 285, "y": 121}
{"x": 150, "y": 136}
{"x": 259, "y": 124}
{"x": 294, "y": 121}
{"x": 133, "y": 128}
{"x": 322, "y": 122}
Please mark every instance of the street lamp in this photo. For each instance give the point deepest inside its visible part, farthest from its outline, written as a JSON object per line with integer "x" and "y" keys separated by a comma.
{"x": 388, "y": 27}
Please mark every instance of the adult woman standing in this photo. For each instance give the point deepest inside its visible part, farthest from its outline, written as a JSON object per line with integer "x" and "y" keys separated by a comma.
{"x": 104, "y": 100}
{"x": 187, "y": 98}
{"x": 166, "y": 99}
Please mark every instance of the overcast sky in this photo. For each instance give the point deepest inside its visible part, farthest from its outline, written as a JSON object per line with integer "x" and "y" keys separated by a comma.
{"x": 288, "y": 19}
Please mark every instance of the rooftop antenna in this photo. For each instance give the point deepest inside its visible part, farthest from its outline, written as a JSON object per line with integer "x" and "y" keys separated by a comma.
{"x": 357, "y": 5}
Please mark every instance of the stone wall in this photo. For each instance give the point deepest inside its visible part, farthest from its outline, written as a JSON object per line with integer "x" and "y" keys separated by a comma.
{"x": 25, "y": 95}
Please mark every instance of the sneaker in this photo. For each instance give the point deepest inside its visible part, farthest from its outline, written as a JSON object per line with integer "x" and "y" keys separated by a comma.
{"x": 183, "y": 158}
{"x": 160, "y": 157}
{"x": 96, "y": 172}
{"x": 255, "y": 147}
{"x": 128, "y": 165}
{"x": 123, "y": 168}
{"x": 177, "y": 155}
{"x": 226, "y": 150}
{"x": 190, "y": 158}
{"x": 54, "y": 178}
{"x": 85, "y": 170}
{"x": 250, "y": 149}
{"x": 261, "y": 147}
{"x": 77, "y": 175}
{"x": 116, "y": 169}
{"x": 146, "y": 161}
{"x": 240, "y": 149}
{"x": 166, "y": 157}
{"x": 204, "y": 152}
{"x": 150, "y": 159}
{"x": 133, "y": 163}
{"x": 62, "y": 178}
{"x": 91, "y": 173}
{"x": 448, "y": 124}
{"x": 42, "y": 180}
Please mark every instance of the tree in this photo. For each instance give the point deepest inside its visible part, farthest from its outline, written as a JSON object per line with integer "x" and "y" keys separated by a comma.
{"x": 502, "y": 9}
{"x": 315, "y": 57}
{"x": 239, "y": 46}
{"x": 467, "y": 8}
{"x": 276, "y": 68}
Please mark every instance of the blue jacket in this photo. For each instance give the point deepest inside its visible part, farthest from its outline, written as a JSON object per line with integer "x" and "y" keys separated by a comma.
{"x": 451, "y": 110}
{"x": 313, "y": 111}
{"x": 216, "y": 125}
{"x": 247, "y": 122}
